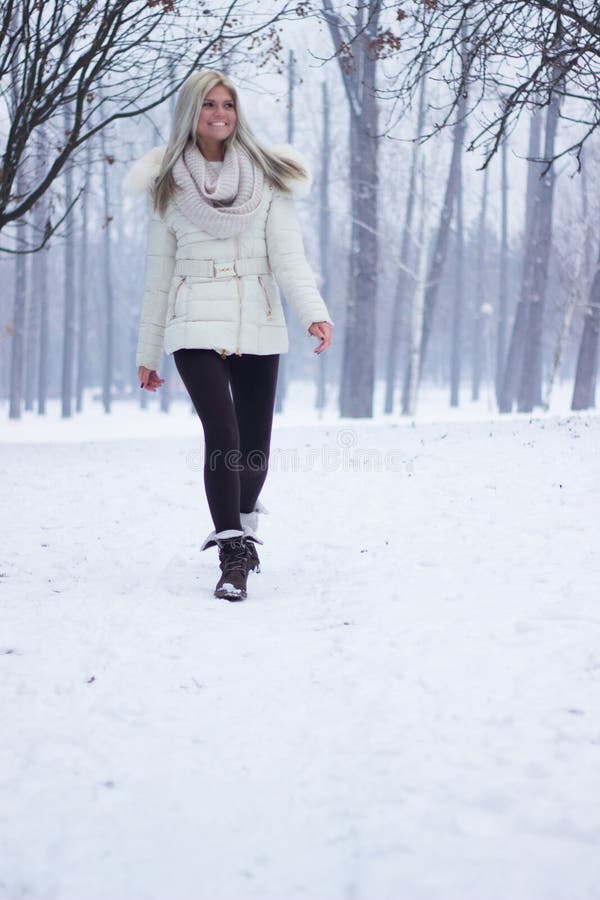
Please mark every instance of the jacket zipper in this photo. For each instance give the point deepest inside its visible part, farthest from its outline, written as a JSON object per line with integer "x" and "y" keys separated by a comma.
{"x": 173, "y": 311}
{"x": 266, "y": 293}
{"x": 238, "y": 284}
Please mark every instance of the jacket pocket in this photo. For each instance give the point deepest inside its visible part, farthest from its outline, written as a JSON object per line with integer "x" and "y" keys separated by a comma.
{"x": 265, "y": 290}
{"x": 175, "y": 295}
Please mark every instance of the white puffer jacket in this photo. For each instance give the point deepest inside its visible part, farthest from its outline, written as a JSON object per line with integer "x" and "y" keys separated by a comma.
{"x": 222, "y": 294}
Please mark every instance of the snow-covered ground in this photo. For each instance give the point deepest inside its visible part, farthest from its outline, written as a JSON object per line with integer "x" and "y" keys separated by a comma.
{"x": 406, "y": 708}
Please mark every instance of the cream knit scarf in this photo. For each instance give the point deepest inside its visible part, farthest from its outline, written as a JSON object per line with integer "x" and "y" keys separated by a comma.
{"x": 223, "y": 203}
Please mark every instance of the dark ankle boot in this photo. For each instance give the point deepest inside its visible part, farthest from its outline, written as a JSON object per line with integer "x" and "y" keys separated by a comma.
{"x": 233, "y": 560}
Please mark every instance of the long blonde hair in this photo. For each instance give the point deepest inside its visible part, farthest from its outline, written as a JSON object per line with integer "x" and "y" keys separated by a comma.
{"x": 278, "y": 168}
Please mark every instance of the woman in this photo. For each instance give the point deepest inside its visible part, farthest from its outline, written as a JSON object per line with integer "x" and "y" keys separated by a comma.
{"x": 223, "y": 237}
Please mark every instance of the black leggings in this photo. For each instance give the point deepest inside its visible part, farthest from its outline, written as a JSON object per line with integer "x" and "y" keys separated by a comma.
{"x": 234, "y": 398}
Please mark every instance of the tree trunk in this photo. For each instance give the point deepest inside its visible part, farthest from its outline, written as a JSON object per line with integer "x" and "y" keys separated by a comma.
{"x": 108, "y": 291}
{"x": 409, "y": 403}
{"x": 358, "y": 353}
{"x": 17, "y": 360}
{"x": 457, "y": 313}
{"x": 358, "y": 369}
{"x": 531, "y": 372}
{"x": 480, "y": 313}
{"x": 350, "y": 323}
{"x": 587, "y": 358}
{"x": 514, "y": 357}
{"x": 40, "y": 286}
{"x": 573, "y": 297}
{"x": 282, "y": 374}
{"x": 503, "y": 274}
{"x": 33, "y": 325}
{"x": 405, "y": 286}
{"x": 41, "y": 280}
{"x": 360, "y": 326}
{"x": 579, "y": 286}
{"x": 69, "y": 294}
{"x": 84, "y": 288}
{"x": 440, "y": 251}
{"x": 38, "y": 334}
{"x": 324, "y": 232}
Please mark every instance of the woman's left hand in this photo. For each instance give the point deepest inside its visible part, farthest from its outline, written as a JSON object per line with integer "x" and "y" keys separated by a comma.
{"x": 321, "y": 330}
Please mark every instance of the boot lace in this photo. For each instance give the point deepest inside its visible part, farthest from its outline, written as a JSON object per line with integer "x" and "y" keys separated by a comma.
{"x": 233, "y": 555}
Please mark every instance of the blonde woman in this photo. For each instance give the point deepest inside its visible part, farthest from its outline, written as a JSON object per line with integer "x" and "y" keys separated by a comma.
{"x": 223, "y": 238}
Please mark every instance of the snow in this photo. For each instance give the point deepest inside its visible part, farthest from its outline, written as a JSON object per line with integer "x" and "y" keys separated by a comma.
{"x": 405, "y": 708}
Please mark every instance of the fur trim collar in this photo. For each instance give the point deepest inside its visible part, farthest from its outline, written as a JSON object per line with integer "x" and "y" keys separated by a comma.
{"x": 142, "y": 174}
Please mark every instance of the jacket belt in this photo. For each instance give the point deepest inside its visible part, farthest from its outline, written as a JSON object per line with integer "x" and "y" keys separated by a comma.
{"x": 221, "y": 268}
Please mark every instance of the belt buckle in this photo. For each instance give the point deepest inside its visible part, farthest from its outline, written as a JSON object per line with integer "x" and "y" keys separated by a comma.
{"x": 223, "y": 269}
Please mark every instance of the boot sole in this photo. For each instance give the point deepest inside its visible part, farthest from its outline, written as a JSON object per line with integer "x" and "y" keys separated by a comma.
{"x": 226, "y": 595}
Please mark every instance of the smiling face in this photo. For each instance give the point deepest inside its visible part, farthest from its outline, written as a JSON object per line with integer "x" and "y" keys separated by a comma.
{"x": 217, "y": 118}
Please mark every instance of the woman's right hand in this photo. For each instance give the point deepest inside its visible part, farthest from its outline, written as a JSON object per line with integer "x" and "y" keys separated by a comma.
{"x": 321, "y": 330}
{"x": 149, "y": 378}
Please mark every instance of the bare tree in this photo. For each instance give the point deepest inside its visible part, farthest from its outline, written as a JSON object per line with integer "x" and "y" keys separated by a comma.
{"x": 503, "y": 274}
{"x": 575, "y": 281}
{"x": 108, "y": 281}
{"x": 522, "y": 53}
{"x": 457, "y": 311}
{"x": 587, "y": 359}
{"x": 83, "y": 289}
{"x": 479, "y": 313}
{"x": 58, "y": 54}
{"x": 514, "y": 357}
{"x": 324, "y": 236}
{"x": 69, "y": 308}
{"x": 17, "y": 359}
{"x": 169, "y": 369}
{"x": 530, "y": 389}
{"x": 405, "y": 285}
{"x": 39, "y": 284}
{"x": 417, "y": 312}
{"x": 587, "y": 356}
{"x": 283, "y": 373}
{"x": 440, "y": 249}
{"x": 358, "y": 47}
{"x": 31, "y": 335}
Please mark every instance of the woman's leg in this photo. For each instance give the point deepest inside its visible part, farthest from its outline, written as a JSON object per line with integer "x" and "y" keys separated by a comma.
{"x": 206, "y": 378}
{"x": 253, "y": 384}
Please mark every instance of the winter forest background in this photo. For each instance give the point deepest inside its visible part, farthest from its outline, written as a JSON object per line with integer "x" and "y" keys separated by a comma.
{"x": 407, "y": 706}
{"x": 453, "y": 217}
